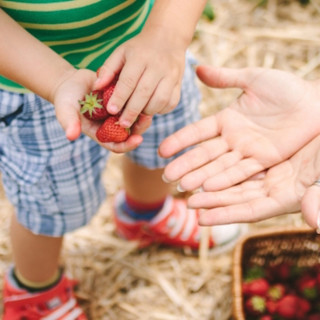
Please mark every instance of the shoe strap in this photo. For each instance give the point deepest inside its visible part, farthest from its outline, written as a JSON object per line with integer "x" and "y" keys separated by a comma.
{"x": 65, "y": 285}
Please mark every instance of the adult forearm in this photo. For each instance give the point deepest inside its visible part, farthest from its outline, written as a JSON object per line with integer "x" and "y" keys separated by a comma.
{"x": 29, "y": 62}
{"x": 178, "y": 18}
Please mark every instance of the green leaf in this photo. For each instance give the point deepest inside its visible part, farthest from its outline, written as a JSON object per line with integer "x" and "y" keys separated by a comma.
{"x": 208, "y": 12}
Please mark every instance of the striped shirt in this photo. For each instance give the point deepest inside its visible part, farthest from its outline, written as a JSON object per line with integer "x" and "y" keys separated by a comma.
{"x": 84, "y": 32}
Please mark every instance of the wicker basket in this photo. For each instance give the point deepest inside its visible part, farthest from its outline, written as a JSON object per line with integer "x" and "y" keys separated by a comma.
{"x": 297, "y": 245}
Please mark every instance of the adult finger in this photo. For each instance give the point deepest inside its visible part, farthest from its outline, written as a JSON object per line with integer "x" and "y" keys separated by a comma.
{"x": 195, "y": 158}
{"x": 199, "y": 176}
{"x": 310, "y": 206}
{"x": 231, "y": 196}
{"x": 252, "y": 211}
{"x": 225, "y": 77}
{"x": 188, "y": 136}
{"x": 232, "y": 175}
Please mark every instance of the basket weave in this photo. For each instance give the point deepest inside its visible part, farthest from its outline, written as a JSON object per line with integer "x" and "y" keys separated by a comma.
{"x": 300, "y": 246}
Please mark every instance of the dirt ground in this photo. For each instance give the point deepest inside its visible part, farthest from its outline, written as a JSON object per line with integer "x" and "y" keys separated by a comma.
{"x": 120, "y": 282}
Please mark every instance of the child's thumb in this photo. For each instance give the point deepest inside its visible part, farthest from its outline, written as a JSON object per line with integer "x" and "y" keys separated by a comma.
{"x": 69, "y": 120}
{"x": 310, "y": 205}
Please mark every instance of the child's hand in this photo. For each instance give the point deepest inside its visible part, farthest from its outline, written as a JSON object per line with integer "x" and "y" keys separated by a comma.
{"x": 276, "y": 115}
{"x": 66, "y": 99}
{"x": 150, "y": 73}
{"x": 269, "y": 194}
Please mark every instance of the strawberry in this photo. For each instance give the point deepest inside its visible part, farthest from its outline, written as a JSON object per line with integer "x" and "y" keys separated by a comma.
{"x": 276, "y": 291}
{"x": 314, "y": 316}
{"x": 318, "y": 280}
{"x": 257, "y": 287}
{"x": 304, "y": 308}
{"x": 111, "y": 131}
{"x": 271, "y": 306}
{"x": 107, "y": 93}
{"x": 281, "y": 271}
{"x": 293, "y": 307}
{"x": 307, "y": 286}
{"x": 287, "y": 306}
{"x": 255, "y": 305}
{"x": 92, "y": 108}
{"x": 266, "y": 317}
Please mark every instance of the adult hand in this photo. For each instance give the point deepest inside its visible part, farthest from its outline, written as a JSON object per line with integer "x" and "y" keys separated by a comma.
{"x": 276, "y": 115}
{"x": 285, "y": 188}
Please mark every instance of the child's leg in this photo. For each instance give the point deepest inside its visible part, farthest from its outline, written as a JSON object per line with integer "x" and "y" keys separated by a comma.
{"x": 142, "y": 184}
{"x": 55, "y": 187}
{"x": 145, "y": 211}
{"x": 31, "y": 251}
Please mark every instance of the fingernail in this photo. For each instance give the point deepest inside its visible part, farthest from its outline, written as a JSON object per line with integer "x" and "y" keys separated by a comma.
{"x": 97, "y": 83}
{"x": 180, "y": 189}
{"x": 318, "y": 223}
{"x": 164, "y": 179}
{"x": 113, "y": 109}
{"x": 125, "y": 124}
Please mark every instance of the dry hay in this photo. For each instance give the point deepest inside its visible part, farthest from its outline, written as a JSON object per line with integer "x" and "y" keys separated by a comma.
{"x": 118, "y": 281}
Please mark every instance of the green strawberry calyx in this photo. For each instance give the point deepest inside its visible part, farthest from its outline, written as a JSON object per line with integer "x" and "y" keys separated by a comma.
{"x": 90, "y": 103}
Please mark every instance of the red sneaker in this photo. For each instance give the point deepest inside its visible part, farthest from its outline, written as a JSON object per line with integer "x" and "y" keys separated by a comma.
{"x": 57, "y": 303}
{"x": 175, "y": 225}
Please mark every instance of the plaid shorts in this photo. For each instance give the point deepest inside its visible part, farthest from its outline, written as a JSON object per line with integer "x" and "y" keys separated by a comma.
{"x": 54, "y": 184}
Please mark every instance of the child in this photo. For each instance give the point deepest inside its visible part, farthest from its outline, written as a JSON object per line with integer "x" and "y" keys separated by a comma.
{"x": 276, "y": 115}
{"x": 49, "y": 55}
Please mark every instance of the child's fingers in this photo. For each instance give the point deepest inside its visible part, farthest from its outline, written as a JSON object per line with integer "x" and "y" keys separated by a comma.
{"x": 122, "y": 147}
{"x": 69, "y": 119}
{"x": 145, "y": 88}
{"x": 109, "y": 70}
{"x": 164, "y": 99}
{"x": 142, "y": 124}
{"x": 126, "y": 84}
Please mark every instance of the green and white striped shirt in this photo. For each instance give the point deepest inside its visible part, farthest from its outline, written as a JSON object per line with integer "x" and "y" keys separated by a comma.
{"x": 84, "y": 32}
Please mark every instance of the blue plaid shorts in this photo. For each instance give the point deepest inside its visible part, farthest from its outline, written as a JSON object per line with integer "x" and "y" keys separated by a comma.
{"x": 54, "y": 184}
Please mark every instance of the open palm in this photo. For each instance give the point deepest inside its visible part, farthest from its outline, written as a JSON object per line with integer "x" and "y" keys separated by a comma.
{"x": 275, "y": 116}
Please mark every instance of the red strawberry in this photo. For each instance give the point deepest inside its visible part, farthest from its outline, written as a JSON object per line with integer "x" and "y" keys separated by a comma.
{"x": 287, "y": 306}
{"x": 318, "y": 280}
{"x": 314, "y": 316}
{"x": 271, "y": 306}
{"x": 304, "y": 308}
{"x": 257, "y": 287}
{"x": 111, "y": 131}
{"x": 293, "y": 307}
{"x": 307, "y": 286}
{"x": 255, "y": 305}
{"x": 281, "y": 271}
{"x": 276, "y": 291}
{"x": 107, "y": 93}
{"x": 92, "y": 107}
{"x": 266, "y": 317}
